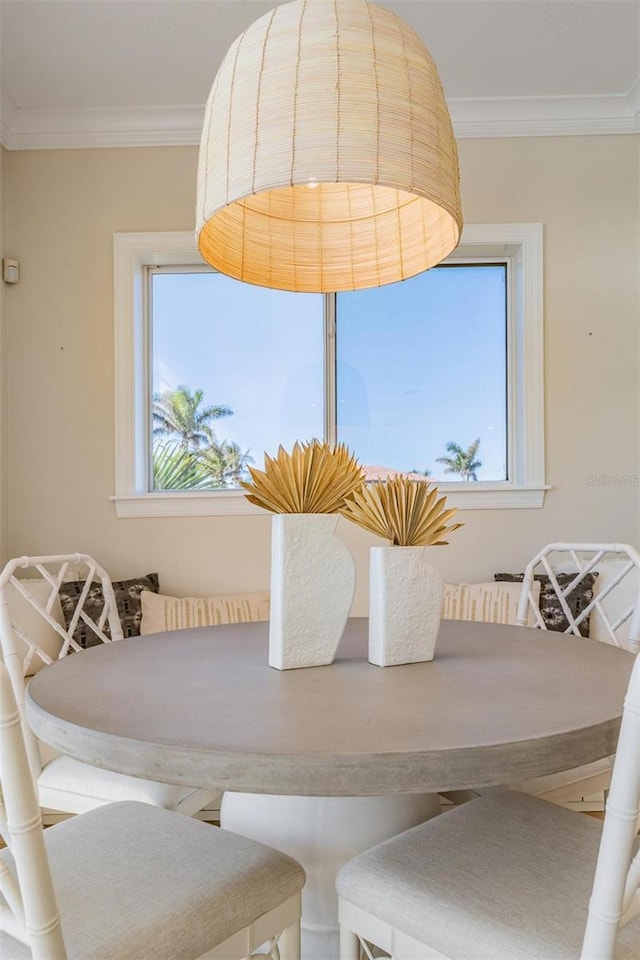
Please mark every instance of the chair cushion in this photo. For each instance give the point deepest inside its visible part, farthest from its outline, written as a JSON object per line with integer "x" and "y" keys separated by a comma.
{"x": 160, "y": 613}
{"x": 11, "y": 949}
{"x": 550, "y": 608}
{"x": 617, "y": 602}
{"x": 127, "y": 594}
{"x": 134, "y": 882}
{"x": 32, "y": 623}
{"x": 581, "y": 781}
{"x": 75, "y": 787}
{"x": 490, "y": 602}
{"x": 504, "y": 877}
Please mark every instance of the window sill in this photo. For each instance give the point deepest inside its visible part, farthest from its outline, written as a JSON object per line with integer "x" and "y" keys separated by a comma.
{"x": 494, "y": 496}
{"x": 464, "y": 496}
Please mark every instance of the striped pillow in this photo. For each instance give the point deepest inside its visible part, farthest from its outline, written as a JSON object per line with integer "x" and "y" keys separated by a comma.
{"x": 488, "y": 602}
{"x": 161, "y": 613}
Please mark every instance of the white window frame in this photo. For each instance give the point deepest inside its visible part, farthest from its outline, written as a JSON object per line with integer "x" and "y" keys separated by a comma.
{"x": 518, "y": 243}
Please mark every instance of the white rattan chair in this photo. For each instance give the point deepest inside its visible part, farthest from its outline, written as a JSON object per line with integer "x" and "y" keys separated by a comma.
{"x": 613, "y": 616}
{"x": 26, "y": 606}
{"x": 507, "y": 877}
{"x": 132, "y": 881}
{"x": 614, "y": 612}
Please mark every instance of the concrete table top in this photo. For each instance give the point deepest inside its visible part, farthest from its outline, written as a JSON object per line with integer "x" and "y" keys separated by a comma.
{"x": 202, "y": 707}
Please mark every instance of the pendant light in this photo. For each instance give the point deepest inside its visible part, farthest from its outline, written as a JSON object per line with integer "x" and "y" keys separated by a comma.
{"x": 327, "y": 159}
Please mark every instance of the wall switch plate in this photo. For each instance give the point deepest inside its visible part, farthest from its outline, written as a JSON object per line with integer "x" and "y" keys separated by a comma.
{"x": 10, "y": 270}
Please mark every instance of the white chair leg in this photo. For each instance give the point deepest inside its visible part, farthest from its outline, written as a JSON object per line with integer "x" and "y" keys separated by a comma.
{"x": 349, "y": 944}
{"x": 289, "y": 942}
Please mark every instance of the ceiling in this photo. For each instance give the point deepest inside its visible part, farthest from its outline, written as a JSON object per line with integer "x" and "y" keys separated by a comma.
{"x": 80, "y": 73}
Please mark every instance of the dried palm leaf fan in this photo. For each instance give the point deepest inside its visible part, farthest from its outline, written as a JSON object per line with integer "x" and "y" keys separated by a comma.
{"x": 406, "y": 512}
{"x": 314, "y": 478}
{"x": 327, "y": 159}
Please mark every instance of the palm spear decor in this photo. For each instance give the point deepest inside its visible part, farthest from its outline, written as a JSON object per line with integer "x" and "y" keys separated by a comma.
{"x": 314, "y": 478}
{"x": 406, "y": 512}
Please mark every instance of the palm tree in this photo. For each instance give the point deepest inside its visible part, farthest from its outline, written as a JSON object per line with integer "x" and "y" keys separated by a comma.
{"x": 180, "y": 412}
{"x": 224, "y": 463}
{"x": 461, "y": 461}
{"x": 236, "y": 462}
{"x": 175, "y": 468}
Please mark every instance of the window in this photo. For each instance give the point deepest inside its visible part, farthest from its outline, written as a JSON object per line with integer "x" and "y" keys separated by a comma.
{"x": 235, "y": 370}
{"x": 440, "y": 375}
{"x": 421, "y": 374}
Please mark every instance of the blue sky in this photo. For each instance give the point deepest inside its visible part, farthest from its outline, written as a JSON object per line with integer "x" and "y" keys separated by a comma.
{"x": 420, "y": 363}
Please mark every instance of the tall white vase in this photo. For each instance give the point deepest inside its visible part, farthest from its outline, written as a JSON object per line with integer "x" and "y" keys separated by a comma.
{"x": 405, "y": 602}
{"x": 313, "y": 579}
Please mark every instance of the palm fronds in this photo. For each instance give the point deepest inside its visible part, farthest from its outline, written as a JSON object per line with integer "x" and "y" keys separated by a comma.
{"x": 462, "y": 462}
{"x": 175, "y": 468}
{"x": 180, "y": 413}
{"x": 313, "y": 478}
{"x": 406, "y": 512}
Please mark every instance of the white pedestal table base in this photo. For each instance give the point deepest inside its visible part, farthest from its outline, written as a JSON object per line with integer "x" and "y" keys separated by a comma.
{"x": 322, "y": 833}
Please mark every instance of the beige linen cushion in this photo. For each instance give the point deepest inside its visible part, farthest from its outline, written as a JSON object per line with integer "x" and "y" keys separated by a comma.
{"x": 30, "y": 622}
{"x": 160, "y": 613}
{"x": 617, "y": 602}
{"x": 69, "y": 785}
{"x": 505, "y": 875}
{"x": 134, "y": 882}
{"x": 492, "y": 602}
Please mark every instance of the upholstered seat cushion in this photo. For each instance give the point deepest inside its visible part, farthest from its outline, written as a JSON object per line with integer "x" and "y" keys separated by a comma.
{"x": 75, "y": 787}
{"x": 504, "y": 877}
{"x": 589, "y": 779}
{"x": 32, "y": 624}
{"x": 134, "y": 882}
{"x": 11, "y": 949}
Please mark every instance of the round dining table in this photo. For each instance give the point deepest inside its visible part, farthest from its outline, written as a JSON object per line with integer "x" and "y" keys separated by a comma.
{"x": 323, "y": 762}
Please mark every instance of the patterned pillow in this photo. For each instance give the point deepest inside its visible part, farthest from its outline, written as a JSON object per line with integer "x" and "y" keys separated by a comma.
{"x": 128, "y": 602}
{"x": 160, "y": 613}
{"x": 550, "y": 609}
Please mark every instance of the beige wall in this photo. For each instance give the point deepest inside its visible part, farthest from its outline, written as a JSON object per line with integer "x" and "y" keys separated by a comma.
{"x": 3, "y": 377}
{"x": 63, "y": 208}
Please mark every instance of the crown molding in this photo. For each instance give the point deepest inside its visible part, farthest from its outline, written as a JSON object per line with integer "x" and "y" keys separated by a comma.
{"x": 181, "y": 125}
{"x": 8, "y": 119}
{"x": 130, "y": 127}
{"x": 634, "y": 100}
{"x": 547, "y": 116}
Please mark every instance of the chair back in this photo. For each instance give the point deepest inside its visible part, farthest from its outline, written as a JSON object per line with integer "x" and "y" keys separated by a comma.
{"x": 615, "y": 898}
{"x": 20, "y": 643}
{"x": 29, "y": 912}
{"x": 614, "y": 611}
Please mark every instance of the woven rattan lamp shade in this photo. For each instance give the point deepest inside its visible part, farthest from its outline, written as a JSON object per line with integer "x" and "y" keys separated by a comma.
{"x": 327, "y": 160}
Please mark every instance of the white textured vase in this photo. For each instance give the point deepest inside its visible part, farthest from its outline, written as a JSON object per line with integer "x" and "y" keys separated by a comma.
{"x": 405, "y": 601}
{"x": 313, "y": 579}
